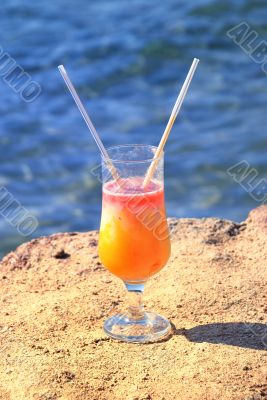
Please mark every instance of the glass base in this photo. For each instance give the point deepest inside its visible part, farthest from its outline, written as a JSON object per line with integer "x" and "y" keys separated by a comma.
{"x": 151, "y": 328}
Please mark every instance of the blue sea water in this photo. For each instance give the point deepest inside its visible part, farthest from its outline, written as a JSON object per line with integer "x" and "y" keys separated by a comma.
{"x": 128, "y": 61}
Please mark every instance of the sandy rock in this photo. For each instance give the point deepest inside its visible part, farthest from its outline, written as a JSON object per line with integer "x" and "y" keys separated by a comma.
{"x": 55, "y": 295}
{"x": 258, "y": 217}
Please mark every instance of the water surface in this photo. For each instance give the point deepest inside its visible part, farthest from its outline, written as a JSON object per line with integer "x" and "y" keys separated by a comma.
{"x": 128, "y": 60}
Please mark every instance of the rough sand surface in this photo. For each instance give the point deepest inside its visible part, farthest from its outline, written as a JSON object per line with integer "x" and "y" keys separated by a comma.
{"x": 55, "y": 295}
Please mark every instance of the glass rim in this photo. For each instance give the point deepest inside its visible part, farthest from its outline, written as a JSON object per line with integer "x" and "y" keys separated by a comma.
{"x": 132, "y": 161}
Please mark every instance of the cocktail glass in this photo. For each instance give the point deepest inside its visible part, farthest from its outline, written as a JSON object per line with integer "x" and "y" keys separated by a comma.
{"x": 134, "y": 241}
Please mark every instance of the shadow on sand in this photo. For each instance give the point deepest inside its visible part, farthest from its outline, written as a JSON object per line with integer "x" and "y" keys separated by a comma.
{"x": 241, "y": 334}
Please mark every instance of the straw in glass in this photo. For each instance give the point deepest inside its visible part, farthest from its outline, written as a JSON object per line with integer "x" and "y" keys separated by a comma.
{"x": 174, "y": 113}
{"x": 88, "y": 122}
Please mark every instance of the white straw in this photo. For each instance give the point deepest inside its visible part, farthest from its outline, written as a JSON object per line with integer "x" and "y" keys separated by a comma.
{"x": 88, "y": 121}
{"x": 174, "y": 113}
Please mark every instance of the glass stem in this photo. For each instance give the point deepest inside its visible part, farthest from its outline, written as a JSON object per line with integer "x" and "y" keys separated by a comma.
{"x": 136, "y": 309}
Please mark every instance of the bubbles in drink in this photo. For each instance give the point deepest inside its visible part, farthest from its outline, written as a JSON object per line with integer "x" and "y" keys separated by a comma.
{"x": 133, "y": 185}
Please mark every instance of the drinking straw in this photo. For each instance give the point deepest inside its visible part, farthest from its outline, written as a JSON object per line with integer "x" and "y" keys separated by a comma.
{"x": 174, "y": 113}
{"x": 88, "y": 122}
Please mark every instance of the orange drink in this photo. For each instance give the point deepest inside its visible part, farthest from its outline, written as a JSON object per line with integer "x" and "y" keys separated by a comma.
{"x": 134, "y": 240}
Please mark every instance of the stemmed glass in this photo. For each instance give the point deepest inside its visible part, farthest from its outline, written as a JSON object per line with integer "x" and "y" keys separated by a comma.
{"x": 134, "y": 240}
